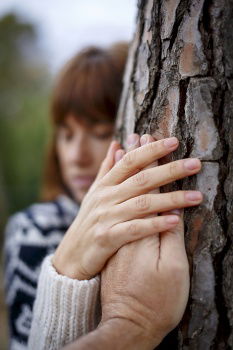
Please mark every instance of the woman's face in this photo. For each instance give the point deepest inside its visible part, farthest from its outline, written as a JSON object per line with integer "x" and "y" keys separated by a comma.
{"x": 81, "y": 148}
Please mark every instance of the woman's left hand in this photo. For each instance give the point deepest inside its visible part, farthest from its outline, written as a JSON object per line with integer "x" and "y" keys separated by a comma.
{"x": 118, "y": 207}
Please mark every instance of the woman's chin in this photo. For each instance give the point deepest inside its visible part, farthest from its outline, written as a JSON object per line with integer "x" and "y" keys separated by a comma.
{"x": 79, "y": 194}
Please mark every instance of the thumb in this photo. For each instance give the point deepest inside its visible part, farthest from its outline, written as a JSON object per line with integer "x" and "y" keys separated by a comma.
{"x": 179, "y": 228}
{"x": 172, "y": 241}
{"x": 109, "y": 160}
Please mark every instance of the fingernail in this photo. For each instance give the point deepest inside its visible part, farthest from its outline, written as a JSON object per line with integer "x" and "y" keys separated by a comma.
{"x": 171, "y": 142}
{"x": 172, "y": 219}
{"x": 193, "y": 196}
{"x": 132, "y": 139}
{"x": 144, "y": 140}
{"x": 176, "y": 212}
{"x": 191, "y": 164}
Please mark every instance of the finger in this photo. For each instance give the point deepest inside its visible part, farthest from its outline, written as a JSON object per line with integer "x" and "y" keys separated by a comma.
{"x": 119, "y": 155}
{"x": 138, "y": 159}
{"x": 109, "y": 160}
{"x": 153, "y": 178}
{"x": 146, "y": 138}
{"x": 179, "y": 212}
{"x": 172, "y": 245}
{"x": 133, "y": 142}
{"x": 146, "y": 204}
{"x": 129, "y": 231}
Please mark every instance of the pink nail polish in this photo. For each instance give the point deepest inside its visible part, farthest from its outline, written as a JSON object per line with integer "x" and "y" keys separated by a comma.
{"x": 132, "y": 139}
{"x": 193, "y": 196}
{"x": 191, "y": 164}
{"x": 172, "y": 219}
{"x": 171, "y": 142}
{"x": 144, "y": 140}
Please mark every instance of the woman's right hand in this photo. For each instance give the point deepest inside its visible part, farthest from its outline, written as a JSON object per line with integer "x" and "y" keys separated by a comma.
{"x": 118, "y": 208}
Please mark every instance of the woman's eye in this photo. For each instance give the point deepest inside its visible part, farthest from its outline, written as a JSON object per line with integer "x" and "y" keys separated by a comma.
{"x": 65, "y": 135}
{"x": 102, "y": 132}
{"x": 102, "y": 136}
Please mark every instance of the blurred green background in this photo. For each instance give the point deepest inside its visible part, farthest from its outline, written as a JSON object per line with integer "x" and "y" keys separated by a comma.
{"x": 24, "y": 93}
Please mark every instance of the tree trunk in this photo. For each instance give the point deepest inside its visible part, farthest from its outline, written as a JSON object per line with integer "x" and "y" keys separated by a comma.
{"x": 179, "y": 82}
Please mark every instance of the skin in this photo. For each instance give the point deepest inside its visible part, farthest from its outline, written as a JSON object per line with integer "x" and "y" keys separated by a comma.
{"x": 119, "y": 208}
{"x": 81, "y": 149}
{"x": 144, "y": 291}
{"x": 152, "y": 292}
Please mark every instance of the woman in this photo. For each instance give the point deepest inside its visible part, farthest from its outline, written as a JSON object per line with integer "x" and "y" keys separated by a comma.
{"x": 74, "y": 244}
{"x": 89, "y": 88}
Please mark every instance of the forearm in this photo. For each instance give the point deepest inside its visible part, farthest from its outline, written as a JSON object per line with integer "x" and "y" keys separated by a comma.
{"x": 117, "y": 334}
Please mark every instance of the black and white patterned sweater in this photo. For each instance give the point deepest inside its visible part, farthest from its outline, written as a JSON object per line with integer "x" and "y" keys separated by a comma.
{"x": 30, "y": 236}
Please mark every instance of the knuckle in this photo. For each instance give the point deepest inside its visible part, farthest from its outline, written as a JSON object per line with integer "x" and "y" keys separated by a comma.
{"x": 104, "y": 197}
{"x": 109, "y": 194}
{"x": 140, "y": 179}
{"x": 151, "y": 147}
{"x": 155, "y": 224}
{"x": 101, "y": 215}
{"x": 175, "y": 200}
{"x": 173, "y": 170}
{"x": 128, "y": 159}
{"x": 132, "y": 229}
{"x": 142, "y": 203}
{"x": 101, "y": 236}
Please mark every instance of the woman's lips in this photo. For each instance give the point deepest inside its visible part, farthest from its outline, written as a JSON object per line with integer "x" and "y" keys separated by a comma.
{"x": 82, "y": 181}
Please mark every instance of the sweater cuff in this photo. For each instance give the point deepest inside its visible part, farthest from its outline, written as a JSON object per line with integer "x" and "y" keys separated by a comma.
{"x": 65, "y": 308}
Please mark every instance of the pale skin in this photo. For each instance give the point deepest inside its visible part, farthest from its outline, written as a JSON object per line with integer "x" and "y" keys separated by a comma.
{"x": 144, "y": 291}
{"x": 118, "y": 208}
{"x": 145, "y": 288}
{"x": 81, "y": 149}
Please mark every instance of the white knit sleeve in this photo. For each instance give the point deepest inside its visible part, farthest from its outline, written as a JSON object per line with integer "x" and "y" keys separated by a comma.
{"x": 64, "y": 309}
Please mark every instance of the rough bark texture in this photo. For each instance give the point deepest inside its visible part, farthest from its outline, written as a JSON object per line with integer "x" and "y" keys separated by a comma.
{"x": 179, "y": 81}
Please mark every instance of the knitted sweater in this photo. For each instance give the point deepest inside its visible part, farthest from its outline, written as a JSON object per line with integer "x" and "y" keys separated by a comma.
{"x": 64, "y": 308}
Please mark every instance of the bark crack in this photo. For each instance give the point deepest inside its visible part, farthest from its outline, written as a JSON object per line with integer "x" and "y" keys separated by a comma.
{"x": 180, "y": 11}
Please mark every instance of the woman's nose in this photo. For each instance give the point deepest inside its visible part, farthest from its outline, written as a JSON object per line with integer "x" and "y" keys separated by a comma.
{"x": 79, "y": 152}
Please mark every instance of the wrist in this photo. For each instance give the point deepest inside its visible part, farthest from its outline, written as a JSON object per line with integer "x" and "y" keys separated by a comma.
{"x": 66, "y": 259}
{"x": 64, "y": 267}
{"x": 128, "y": 334}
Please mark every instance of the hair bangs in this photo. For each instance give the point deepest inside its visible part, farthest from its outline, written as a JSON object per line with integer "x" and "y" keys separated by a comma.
{"x": 91, "y": 92}
{"x": 89, "y": 87}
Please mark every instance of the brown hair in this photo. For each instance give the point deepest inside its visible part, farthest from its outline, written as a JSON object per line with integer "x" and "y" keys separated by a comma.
{"x": 89, "y": 88}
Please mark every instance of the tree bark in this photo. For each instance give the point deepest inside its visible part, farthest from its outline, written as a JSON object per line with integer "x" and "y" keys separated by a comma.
{"x": 179, "y": 82}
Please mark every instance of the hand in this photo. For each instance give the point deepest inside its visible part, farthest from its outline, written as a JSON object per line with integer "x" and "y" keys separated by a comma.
{"x": 116, "y": 208}
{"x": 147, "y": 283}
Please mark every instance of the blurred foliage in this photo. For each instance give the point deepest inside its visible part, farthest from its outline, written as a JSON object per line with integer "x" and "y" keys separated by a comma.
{"x": 24, "y": 87}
